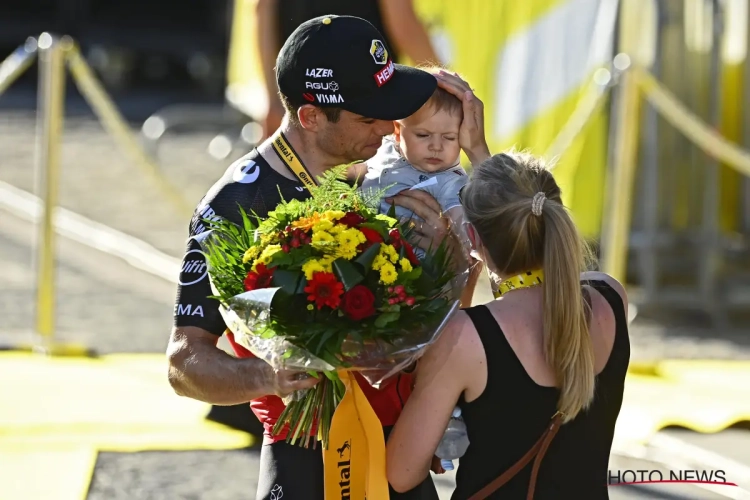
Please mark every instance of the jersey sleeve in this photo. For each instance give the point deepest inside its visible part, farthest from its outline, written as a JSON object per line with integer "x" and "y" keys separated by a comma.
{"x": 192, "y": 305}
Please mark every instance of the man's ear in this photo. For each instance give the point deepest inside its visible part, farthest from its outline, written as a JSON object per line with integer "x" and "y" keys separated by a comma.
{"x": 310, "y": 117}
{"x": 396, "y": 131}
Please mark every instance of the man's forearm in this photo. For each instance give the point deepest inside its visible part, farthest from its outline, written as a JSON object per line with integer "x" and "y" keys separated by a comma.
{"x": 209, "y": 374}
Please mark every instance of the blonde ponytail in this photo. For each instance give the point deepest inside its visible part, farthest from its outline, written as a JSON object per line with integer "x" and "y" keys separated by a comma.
{"x": 516, "y": 207}
{"x": 568, "y": 347}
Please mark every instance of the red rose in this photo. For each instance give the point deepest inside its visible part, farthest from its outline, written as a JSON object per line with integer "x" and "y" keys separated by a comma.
{"x": 410, "y": 254}
{"x": 260, "y": 278}
{"x": 371, "y": 235}
{"x": 358, "y": 303}
{"x": 351, "y": 219}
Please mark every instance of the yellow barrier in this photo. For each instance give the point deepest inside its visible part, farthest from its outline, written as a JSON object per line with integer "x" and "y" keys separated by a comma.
{"x": 637, "y": 82}
{"x": 704, "y": 136}
{"x": 591, "y": 103}
{"x": 52, "y": 55}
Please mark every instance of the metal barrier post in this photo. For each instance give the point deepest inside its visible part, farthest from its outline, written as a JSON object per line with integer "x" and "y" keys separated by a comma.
{"x": 50, "y": 116}
{"x": 620, "y": 182}
{"x": 15, "y": 64}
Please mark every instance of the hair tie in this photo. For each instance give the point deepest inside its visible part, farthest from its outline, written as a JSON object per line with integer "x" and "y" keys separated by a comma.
{"x": 537, "y": 203}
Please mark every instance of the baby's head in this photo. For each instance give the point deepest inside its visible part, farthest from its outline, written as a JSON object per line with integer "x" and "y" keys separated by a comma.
{"x": 428, "y": 139}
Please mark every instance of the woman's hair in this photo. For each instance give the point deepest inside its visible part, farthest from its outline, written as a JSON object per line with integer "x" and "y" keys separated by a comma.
{"x": 523, "y": 231}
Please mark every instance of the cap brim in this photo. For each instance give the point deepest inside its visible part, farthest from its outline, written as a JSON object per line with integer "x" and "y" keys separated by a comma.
{"x": 406, "y": 92}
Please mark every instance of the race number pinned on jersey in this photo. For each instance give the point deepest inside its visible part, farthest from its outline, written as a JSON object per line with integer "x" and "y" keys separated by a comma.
{"x": 354, "y": 463}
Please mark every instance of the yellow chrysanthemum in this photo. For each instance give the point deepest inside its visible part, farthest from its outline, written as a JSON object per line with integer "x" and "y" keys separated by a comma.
{"x": 337, "y": 229}
{"x": 322, "y": 225}
{"x": 379, "y": 262}
{"x": 388, "y": 274}
{"x": 389, "y": 220}
{"x": 322, "y": 237}
{"x": 348, "y": 241}
{"x": 405, "y": 265}
{"x": 266, "y": 254}
{"x": 310, "y": 307}
{"x": 389, "y": 252}
{"x": 250, "y": 254}
{"x": 333, "y": 215}
{"x": 312, "y": 266}
{"x": 327, "y": 263}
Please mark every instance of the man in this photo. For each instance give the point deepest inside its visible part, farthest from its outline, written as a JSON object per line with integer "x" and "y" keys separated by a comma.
{"x": 341, "y": 91}
{"x": 403, "y": 31}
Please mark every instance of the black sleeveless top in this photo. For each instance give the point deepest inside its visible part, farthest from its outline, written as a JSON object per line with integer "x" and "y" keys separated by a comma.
{"x": 513, "y": 412}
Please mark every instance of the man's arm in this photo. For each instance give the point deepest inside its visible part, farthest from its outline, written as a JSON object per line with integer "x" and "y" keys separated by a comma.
{"x": 198, "y": 369}
{"x": 409, "y": 35}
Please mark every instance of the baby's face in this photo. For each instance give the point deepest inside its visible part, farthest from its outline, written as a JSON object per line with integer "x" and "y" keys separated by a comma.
{"x": 429, "y": 140}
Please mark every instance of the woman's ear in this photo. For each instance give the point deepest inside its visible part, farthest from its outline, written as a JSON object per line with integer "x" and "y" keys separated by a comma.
{"x": 397, "y": 131}
{"x": 476, "y": 243}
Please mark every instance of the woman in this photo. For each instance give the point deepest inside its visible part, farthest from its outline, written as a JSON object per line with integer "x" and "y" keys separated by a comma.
{"x": 552, "y": 350}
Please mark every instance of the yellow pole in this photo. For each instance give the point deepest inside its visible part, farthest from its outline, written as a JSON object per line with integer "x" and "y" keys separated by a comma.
{"x": 620, "y": 185}
{"x": 117, "y": 127}
{"x": 50, "y": 113}
{"x": 49, "y": 125}
{"x": 16, "y": 63}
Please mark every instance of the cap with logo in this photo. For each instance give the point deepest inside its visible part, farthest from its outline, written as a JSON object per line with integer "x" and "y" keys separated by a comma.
{"x": 342, "y": 62}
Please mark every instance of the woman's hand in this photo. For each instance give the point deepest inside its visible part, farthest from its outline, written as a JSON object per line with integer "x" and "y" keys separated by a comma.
{"x": 471, "y": 136}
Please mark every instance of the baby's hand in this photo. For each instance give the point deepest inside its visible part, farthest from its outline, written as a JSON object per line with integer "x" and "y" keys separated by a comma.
{"x": 356, "y": 172}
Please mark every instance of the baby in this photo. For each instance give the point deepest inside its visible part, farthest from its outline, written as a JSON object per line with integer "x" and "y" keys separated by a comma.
{"x": 423, "y": 153}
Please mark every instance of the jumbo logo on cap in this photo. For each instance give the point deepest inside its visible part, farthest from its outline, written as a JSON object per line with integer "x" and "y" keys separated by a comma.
{"x": 379, "y": 52}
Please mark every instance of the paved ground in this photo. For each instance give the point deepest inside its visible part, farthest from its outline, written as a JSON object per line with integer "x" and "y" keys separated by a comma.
{"x": 112, "y": 307}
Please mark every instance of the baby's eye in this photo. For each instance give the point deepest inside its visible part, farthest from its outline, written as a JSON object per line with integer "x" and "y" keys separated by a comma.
{"x": 422, "y": 135}
{"x": 450, "y": 138}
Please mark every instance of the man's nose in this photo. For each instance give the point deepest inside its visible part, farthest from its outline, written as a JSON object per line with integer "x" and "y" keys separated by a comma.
{"x": 384, "y": 127}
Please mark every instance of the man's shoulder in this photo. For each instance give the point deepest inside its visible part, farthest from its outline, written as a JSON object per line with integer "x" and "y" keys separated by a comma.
{"x": 248, "y": 183}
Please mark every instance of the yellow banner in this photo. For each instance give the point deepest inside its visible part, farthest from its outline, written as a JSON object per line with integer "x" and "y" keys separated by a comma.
{"x": 354, "y": 463}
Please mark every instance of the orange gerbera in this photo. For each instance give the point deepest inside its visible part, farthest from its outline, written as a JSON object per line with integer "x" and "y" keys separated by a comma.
{"x": 325, "y": 290}
{"x": 306, "y": 223}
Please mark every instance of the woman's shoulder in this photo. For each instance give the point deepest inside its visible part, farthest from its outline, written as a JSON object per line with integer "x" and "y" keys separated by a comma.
{"x": 457, "y": 342}
{"x": 609, "y": 280}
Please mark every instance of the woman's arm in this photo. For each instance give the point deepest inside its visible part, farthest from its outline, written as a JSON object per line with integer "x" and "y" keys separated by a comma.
{"x": 266, "y": 31}
{"x": 440, "y": 380}
{"x": 407, "y": 31}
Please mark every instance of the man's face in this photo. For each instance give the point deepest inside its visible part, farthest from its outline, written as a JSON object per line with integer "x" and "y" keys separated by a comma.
{"x": 353, "y": 137}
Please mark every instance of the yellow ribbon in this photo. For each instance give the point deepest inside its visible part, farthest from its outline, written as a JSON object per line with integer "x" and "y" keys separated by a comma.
{"x": 354, "y": 463}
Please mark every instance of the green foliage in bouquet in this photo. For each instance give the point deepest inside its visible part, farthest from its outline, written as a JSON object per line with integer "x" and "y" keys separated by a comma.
{"x": 348, "y": 281}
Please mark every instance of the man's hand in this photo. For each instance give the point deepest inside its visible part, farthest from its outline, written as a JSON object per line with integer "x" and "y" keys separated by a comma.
{"x": 200, "y": 370}
{"x": 471, "y": 136}
{"x": 435, "y": 226}
{"x": 285, "y": 382}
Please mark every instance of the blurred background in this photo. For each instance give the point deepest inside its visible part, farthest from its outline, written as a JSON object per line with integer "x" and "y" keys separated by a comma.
{"x": 116, "y": 117}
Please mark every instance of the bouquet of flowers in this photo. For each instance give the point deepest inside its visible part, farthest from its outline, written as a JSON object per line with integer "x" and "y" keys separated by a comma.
{"x": 329, "y": 284}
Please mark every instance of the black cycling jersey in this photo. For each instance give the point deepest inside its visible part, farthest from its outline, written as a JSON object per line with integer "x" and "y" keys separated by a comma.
{"x": 251, "y": 183}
